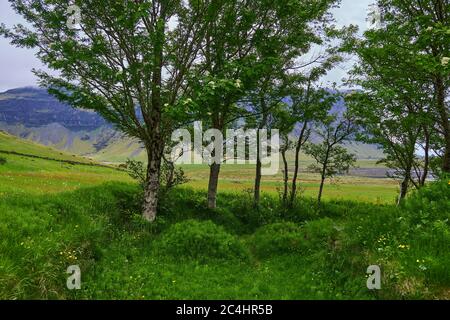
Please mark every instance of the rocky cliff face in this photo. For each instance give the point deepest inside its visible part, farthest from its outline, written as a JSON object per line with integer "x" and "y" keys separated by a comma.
{"x": 34, "y": 107}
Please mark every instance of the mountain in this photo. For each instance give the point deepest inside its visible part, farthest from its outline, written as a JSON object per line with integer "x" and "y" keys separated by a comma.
{"x": 31, "y": 113}
{"x": 34, "y": 107}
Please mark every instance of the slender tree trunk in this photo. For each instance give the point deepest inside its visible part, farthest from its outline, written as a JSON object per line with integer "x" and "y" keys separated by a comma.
{"x": 285, "y": 176}
{"x": 444, "y": 115}
{"x": 214, "y": 172}
{"x": 323, "y": 175}
{"x": 403, "y": 189}
{"x": 258, "y": 175}
{"x": 297, "y": 164}
{"x": 257, "y": 191}
{"x": 322, "y": 183}
{"x": 426, "y": 164}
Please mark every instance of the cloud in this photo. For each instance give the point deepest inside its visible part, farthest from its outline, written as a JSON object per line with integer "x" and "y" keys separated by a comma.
{"x": 16, "y": 64}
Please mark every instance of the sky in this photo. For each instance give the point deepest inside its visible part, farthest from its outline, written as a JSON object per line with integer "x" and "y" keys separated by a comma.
{"x": 16, "y": 63}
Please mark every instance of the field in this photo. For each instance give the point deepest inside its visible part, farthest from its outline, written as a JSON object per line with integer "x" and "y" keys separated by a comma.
{"x": 30, "y": 172}
{"x": 58, "y": 210}
{"x": 240, "y": 178}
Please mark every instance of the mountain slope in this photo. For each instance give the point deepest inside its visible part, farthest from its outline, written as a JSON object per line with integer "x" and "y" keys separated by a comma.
{"x": 32, "y": 114}
{"x": 30, "y": 168}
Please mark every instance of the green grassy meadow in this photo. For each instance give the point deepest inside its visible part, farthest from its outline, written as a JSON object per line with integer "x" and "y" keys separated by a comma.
{"x": 57, "y": 213}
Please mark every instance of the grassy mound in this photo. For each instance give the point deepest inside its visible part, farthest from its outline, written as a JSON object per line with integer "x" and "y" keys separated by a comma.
{"x": 277, "y": 238}
{"x": 289, "y": 238}
{"x": 201, "y": 240}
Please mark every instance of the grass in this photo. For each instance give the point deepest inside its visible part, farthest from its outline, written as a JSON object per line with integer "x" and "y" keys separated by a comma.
{"x": 239, "y": 178}
{"x": 14, "y": 144}
{"x": 54, "y": 214}
{"x": 34, "y": 173}
{"x": 123, "y": 257}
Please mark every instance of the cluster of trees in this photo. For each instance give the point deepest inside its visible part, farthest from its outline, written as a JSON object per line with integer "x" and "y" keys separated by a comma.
{"x": 151, "y": 67}
{"x": 404, "y": 74}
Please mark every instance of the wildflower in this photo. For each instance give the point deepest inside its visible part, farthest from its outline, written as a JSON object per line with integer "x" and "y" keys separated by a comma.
{"x": 430, "y": 29}
{"x": 445, "y": 61}
{"x": 187, "y": 101}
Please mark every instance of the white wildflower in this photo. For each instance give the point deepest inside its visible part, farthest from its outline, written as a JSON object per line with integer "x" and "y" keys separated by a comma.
{"x": 187, "y": 101}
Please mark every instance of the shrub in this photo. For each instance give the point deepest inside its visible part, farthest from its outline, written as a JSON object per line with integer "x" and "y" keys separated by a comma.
{"x": 287, "y": 237}
{"x": 201, "y": 240}
{"x": 170, "y": 176}
{"x": 2, "y": 161}
{"x": 427, "y": 216}
{"x": 277, "y": 238}
{"x": 320, "y": 233}
{"x": 267, "y": 212}
{"x": 430, "y": 204}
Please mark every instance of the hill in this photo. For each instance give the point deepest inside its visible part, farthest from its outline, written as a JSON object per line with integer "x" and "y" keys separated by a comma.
{"x": 33, "y": 114}
{"x": 34, "y": 169}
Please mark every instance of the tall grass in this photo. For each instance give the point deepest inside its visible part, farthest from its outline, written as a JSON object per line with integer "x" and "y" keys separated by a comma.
{"x": 307, "y": 252}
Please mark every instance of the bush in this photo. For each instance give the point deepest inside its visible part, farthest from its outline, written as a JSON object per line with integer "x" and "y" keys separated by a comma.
{"x": 288, "y": 238}
{"x": 430, "y": 204}
{"x": 427, "y": 216}
{"x": 200, "y": 240}
{"x": 2, "y": 161}
{"x": 170, "y": 175}
{"x": 252, "y": 218}
{"x": 320, "y": 233}
{"x": 278, "y": 238}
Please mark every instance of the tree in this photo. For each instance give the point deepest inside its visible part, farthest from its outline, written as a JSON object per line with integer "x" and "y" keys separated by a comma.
{"x": 306, "y": 103}
{"x": 283, "y": 121}
{"x": 402, "y": 105}
{"x": 396, "y": 123}
{"x": 247, "y": 43}
{"x": 266, "y": 101}
{"x": 309, "y": 105}
{"x": 122, "y": 60}
{"x": 410, "y": 53}
{"x": 331, "y": 158}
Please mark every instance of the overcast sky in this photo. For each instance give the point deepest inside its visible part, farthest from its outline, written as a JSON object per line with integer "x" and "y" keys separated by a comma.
{"x": 16, "y": 64}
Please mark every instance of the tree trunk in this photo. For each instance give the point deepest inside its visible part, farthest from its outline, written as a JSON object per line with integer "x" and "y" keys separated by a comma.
{"x": 443, "y": 113}
{"x": 154, "y": 144}
{"x": 257, "y": 191}
{"x": 426, "y": 164}
{"x": 323, "y": 175}
{"x": 403, "y": 189}
{"x": 322, "y": 183}
{"x": 285, "y": 176}
{"x": 300, "y": 143}
{"x": 214, "y": 171}
{"x": 152, "y": 187}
